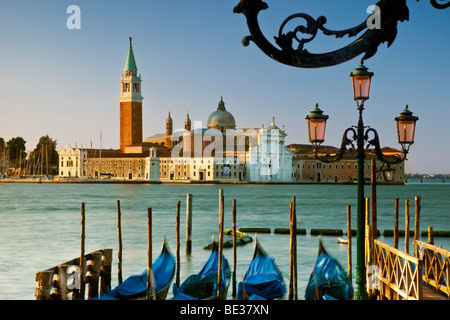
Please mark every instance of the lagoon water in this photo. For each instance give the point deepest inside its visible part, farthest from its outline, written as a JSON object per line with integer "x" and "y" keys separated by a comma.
{"x": 40, "y": 223}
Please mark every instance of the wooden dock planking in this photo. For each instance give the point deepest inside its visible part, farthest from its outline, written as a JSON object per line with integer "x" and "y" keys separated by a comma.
{"x": 430, "y": 293}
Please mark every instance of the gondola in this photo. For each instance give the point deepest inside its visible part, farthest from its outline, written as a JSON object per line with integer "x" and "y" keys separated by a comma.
{"x": 328, "y": 281}
{"x": 203, "y": 286}
{"x": 262, "y": 280}
{"x": 135, "y": 287}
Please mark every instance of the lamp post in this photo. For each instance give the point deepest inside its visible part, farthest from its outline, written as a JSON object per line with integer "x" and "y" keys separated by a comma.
{"x": 361, "y": 135}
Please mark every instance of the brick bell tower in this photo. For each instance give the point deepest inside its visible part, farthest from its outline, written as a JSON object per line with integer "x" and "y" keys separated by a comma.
{"x": 130, "y": 103}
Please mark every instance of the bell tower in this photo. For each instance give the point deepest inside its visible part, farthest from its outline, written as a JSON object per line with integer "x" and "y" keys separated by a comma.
{"x": 169, "y": 129}
{"x": 130, "y": 103}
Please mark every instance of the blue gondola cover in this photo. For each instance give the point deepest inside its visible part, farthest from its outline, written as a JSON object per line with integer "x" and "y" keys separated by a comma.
{"x": 263, "y": 280}
{"x": 329, "y": 279}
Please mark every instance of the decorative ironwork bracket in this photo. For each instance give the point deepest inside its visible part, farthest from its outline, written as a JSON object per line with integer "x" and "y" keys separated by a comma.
{"x": 373, "y": 147}
{"x": 360, "y": 137}
{"x": 394, "y": 11}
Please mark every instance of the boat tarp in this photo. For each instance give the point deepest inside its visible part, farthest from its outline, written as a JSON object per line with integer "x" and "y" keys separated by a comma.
{"x": 163, "y": 269}
{"x": 329, "y": 279}
{"x": 203, "y": 284}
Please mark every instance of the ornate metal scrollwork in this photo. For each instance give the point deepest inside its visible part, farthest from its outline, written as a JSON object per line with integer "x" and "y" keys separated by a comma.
{"x": 372, "y": 147}
{"x": 393, "y": 11}
{"x": 327, "y": 157}
{"x": 353, "y": 141}
{"x": 375, "y": 143}
{"x": 440, "y": 4}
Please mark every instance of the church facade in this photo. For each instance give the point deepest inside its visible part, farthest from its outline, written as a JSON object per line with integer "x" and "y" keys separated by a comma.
{"x": 223, "y": 152}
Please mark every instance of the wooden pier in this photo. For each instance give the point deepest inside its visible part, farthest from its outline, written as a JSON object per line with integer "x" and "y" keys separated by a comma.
{"x": 397, "y": 275}
{"x": 61, "y": 281}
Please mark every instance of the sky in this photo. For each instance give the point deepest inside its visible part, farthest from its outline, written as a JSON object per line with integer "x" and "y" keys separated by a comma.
{"x": 66, "y": 82}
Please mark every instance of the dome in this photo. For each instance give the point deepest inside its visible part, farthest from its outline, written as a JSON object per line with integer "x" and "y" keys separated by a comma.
{"x": 221, "y": 119}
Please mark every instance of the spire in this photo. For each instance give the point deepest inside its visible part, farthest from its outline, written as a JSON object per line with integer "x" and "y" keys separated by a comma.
{"x": 221, "y": 105}
{"x": 169, "y": 118}
{"x": 131, "y": 63}
{"x": 187, "y": 123}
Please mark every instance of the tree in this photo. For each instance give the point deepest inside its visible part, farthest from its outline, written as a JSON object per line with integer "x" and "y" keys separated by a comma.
{"x": 46, "y": 156}
{"x": 2, "y": 148}
{"x": 16, "y": 150}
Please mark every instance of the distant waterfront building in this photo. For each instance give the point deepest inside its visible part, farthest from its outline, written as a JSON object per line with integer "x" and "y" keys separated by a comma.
{"x": 306, "y": 168}
{"x": 152, "y": 166}
{"x": 117, "y": 165}
{"x": 72, "y": 162}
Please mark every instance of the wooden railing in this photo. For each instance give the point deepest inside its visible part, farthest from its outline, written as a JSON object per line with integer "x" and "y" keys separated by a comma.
{"x": 435, "y": 265}
{"x": 395, "y": 275}
{"x": 71, "y": 277}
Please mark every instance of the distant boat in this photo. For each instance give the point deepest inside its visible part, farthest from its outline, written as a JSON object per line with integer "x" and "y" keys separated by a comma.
{"x": 263, "y": 280}
{"x": 342, "y": 241}
{"x": 328, "y": 281}
{"x": 203, "y": 286}
{"x": 135, "y": 287}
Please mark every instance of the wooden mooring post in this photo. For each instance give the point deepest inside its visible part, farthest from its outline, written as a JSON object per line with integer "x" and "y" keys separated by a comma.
{"x": 233, "y": 212}
{"x": 349, "y": 240}
{"x": 407, "y": 226}
{"x": 416, "y": 222}
{"x": 79, "y": 292}
{"x": 119, "y": 237}
{"x": 177, "y": 279}
{"x": 151, "y": 290}
{"x": 189, "y": 223}
{"x": 396, "y": 223}
{"x": 430, "y": 235}
{"x": 220, "y": 267}
{"x": 373, "y": 191}
{"x": 293, "y": 292}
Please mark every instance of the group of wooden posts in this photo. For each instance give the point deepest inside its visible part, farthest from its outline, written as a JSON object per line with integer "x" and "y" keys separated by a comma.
{"x": 56, "y": 278}
{"x": 293, "y": 292}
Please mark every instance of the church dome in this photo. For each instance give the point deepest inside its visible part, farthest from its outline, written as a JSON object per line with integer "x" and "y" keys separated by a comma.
{"x": 221, "y": 119}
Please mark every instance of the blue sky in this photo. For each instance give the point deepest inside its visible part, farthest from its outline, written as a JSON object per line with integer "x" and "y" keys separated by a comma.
{"x": 65, "y": 83}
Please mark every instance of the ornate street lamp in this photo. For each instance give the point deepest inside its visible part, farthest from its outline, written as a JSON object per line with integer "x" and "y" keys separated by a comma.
{"x": 388, "y": 173}
{"x": 316, "y": 129}
{"x": 361, "y": 79}
{"x": 290, "y": 50}
{"x": 406, "y": 127}
{"x": 316, "y": 126}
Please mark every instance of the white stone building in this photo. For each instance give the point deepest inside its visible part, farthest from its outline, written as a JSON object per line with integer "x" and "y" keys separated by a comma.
{"x": 72, "y": 162}
{"x": 270, "y": 160}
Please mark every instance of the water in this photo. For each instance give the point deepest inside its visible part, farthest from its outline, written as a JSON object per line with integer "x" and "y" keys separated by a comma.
{"x": 40, "y": 223}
